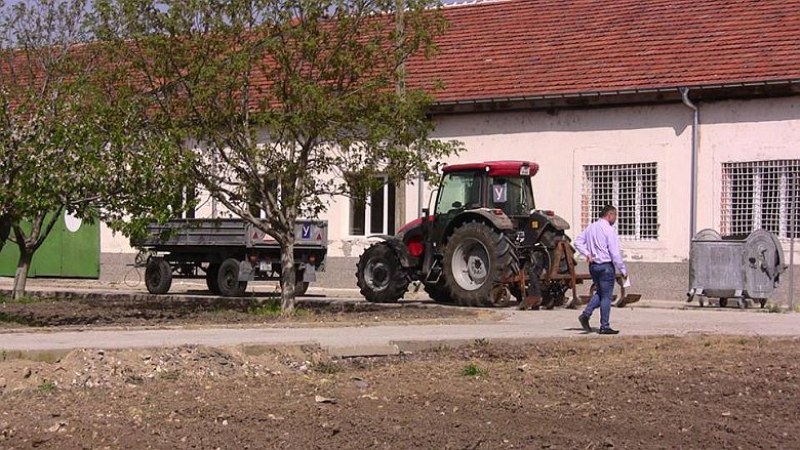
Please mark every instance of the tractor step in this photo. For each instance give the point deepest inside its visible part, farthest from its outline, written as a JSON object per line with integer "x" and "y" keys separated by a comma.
{"x": 434, "y": 274}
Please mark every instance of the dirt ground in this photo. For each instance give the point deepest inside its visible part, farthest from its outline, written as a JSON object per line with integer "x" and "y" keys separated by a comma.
{"x": 156, "y": 311}
{"x": 605, "y": 392}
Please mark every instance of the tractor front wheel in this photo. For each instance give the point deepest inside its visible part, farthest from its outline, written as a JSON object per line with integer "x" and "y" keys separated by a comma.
{"x": 381, "y": 278}
{"x": 478, "y": 258}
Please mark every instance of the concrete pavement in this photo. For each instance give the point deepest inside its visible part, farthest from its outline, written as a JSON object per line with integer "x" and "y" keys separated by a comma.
{"x": 388, "y": 339}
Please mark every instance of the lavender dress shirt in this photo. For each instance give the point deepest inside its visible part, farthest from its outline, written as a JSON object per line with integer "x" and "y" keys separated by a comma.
{"x": 600, "y": 242}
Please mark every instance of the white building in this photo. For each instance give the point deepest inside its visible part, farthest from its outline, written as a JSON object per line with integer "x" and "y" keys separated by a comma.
{"x": 592, "y": 91}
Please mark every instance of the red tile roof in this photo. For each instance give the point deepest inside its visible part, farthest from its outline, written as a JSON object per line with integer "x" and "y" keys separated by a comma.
{"x": 549, "y": 47}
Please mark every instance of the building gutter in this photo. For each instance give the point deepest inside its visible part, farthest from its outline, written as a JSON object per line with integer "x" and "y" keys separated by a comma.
{"x": 693, "y": 183}
{"x": 614, "y": 93}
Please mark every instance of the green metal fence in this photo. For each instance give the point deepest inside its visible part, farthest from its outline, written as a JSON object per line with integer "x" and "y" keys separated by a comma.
{"x": 72, "y": 250}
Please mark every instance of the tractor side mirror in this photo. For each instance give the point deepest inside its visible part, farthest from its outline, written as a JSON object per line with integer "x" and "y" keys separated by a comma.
{"x": 426, "y": 212}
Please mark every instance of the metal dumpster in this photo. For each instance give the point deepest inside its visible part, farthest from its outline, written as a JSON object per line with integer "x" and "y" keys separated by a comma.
{"x": 741, "y": 267}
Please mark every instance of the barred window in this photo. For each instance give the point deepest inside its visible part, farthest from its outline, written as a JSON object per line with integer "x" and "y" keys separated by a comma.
{"x": 629, "y": 187}
{"x": 761, "y": 194}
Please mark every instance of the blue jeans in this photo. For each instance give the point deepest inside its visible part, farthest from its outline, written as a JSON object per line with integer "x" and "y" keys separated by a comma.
{"x": 604, "y": 277}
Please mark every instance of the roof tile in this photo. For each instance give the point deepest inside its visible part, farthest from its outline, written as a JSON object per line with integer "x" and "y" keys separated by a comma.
{"x": 543, "y": 47}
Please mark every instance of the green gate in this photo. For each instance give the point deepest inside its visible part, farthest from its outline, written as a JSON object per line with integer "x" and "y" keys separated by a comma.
{"x": 72, "y": 250}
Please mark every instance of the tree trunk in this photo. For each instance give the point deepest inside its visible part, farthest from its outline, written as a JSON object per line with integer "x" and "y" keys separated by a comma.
{"x": 5, "y": 230}
{"x": 21, "y": 276}
{"x": 287, "y": 275}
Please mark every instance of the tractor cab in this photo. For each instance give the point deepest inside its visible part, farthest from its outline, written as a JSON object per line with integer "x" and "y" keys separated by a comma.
{"x": 497, "y": 191}
{"x": 496, "y": 185}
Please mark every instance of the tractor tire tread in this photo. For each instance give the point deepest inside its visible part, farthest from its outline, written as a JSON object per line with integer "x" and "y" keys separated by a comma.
{"x": 504, "y": 262}
{"x": 399, "y": 277}
{"x": 438, "y": 292}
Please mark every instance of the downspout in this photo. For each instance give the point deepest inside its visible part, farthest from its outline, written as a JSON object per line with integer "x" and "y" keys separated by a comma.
{"x": 693, "y": 183}
{"x": 420, "y": 194}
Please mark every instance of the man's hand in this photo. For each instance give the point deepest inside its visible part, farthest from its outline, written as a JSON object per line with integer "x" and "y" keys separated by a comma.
{"x": 589, "y": 259}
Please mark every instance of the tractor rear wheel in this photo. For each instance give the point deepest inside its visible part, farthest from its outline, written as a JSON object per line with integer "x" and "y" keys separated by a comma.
{"x": 381, "y": 278}
{"x": 476, "y": 259}
{"x": 438, "y": 292}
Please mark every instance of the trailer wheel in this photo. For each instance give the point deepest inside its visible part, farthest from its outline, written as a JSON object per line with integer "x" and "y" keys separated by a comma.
{"x": 300, "y": 288}
{"x": 380, "y": 276}
{"x": 476, "y": 259}
{"x": 212, "y": 278}
{"x": 228, "y": 279}
{"x": 157, "y": 276}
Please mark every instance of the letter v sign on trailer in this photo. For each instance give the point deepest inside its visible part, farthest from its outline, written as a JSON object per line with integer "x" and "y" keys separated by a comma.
{"x": 306, "y": 231}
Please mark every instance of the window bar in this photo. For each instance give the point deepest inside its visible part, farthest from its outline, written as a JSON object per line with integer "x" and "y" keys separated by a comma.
{"x": 783, "y": 206}
{"x": 758, "y": 198}
{"x": 760, "y": 194}
{"x": 615, "y": 194}
{"x": 632, "y": 189}
{"x": 637, "y": 204}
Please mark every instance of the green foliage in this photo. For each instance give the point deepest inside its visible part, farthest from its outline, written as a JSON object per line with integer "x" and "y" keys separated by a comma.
{"x": 281, "y": 104}
{"x": 472, "y": 370}
{"x": 272, "y": 308}
{"x": 773, "y": 307}
{"x": 47, "y": 387}
{"x": 25, "y": 299}
{"x": 327, "y": 367}
{"x": 266, "y": 309}
{"x": 72, "y": 137}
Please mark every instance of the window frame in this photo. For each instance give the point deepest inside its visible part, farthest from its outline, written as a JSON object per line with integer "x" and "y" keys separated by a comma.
{"x": 388, "y": 227}
{"x": 645, "y": 220}
{"x": 749, "y": 181}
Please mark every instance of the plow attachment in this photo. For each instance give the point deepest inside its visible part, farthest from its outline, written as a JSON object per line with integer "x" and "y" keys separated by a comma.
{"x": 554, "y": 285}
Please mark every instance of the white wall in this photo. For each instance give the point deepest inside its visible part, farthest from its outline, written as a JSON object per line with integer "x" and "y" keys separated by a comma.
{"x": 737, "y": 132}
{"x": 563, "y": 142}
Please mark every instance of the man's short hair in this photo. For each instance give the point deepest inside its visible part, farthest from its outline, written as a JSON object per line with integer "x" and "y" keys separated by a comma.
{"x": 607, "y": 209}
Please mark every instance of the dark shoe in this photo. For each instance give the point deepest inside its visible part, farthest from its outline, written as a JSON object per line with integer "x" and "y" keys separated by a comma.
{"x": 608, "y": 331}
{"x": 584, "y": 322}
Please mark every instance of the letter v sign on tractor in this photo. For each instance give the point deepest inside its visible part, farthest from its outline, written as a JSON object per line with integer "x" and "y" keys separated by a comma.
{"x": 500, "y": 194}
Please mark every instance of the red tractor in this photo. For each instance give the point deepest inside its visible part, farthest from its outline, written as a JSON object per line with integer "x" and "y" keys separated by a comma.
{"x": 484, "y": 242}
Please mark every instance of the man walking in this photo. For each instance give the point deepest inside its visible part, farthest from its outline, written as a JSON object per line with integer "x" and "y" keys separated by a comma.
{"x": 599, "y": 243}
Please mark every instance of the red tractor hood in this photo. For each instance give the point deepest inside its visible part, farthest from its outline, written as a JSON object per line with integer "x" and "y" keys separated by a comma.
{"x": 496, "y": 168}
{"x": 413, "y": 224}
